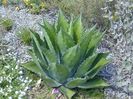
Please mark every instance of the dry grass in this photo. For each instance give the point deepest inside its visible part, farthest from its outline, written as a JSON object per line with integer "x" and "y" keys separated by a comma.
{"x": 90, "y": 9}
{"x": 44, "y": 92}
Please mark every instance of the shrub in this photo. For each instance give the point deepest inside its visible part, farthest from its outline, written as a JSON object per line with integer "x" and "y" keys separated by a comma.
{"x": 66, "y": 56}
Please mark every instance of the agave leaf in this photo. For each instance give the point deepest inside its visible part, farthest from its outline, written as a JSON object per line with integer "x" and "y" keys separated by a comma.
{"x": 47, "y": 38}
{"x": 44, "y": 73}
{"x": 51, "y": 82}
{"x": 50, "y": 56}
{"x": 77, "y": 29}
{"x": 94, "y": 42}
{"x": 70, "y": 29}
{"x": 39, "y": 39}
{"x": 37, "y": 45}
{"x": 67, "y": 92}
{"x": 71, "y": 57}
{"x": 68, "y": 40}
{"x": 64, "y": 41}
{"x": 58, "y": 72}
{"x": 84, "y": 42}
{"x": 95, "y": 39}
{"x": 61, "y": 43}
{"x": 62, "y": 22}
{"x": 43, "y": 67}
{"x": 94, "y": 83}
{"x": 36, "y": 51}
{"x": 84, "y": 67}
{"x": 95, "y": 70}
{"x": 99, "y": 57}
{"x": 32, "y": 67}
{"x": 90, "y": 52}
{"x": 51, "y": 32}
{"x": 87, "y": 32}
{"x": 75, "y": 82}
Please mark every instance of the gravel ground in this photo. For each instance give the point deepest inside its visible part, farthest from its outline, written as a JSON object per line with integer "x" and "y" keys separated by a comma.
{"x": 22, "y": 18}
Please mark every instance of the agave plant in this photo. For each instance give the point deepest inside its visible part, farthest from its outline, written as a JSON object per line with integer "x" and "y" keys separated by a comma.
{"x": 66, "y": 57}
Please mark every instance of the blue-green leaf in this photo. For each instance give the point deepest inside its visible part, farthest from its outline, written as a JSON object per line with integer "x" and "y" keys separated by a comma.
{"x": 71, "y": 57}
{"x": 37, "y": 45}
{"x": 58, "y": 72}
{"x": 32, "y": 67}
{"x": 51, "y": 82}
{"x": 84, "y": 67}
{"x": 67, "y": 92}
{"x": 94, "y": 83}
{"x": 73, "y": 83}
{"x": 51, "y": 32}
{"x": 62, "y": 22}
{"x": 95, "y": 70}
{"x": 77, "y": 29}
{"x": 61, "y": 42}
{"x": 47, "y": 38}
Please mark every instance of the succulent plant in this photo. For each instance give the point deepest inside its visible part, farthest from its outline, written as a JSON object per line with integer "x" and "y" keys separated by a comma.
{"x": 66, "y": 57}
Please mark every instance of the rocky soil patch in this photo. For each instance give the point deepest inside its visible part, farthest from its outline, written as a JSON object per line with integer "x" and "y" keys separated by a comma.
{"x": 120, "y": 82}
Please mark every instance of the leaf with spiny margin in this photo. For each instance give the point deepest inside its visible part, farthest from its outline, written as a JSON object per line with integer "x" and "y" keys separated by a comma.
{"x": 37, "y": 45}
{"x": 42, "y": 60}
{"x": 95, "y": 40}
{"x": 90, "y": 52}
{"x": 77, "y": 29}
{"x": 50, "y": 56}
{"x": 94, "y": 83}
{"x": 99, "y": 57}
{"x": 32, "y": 67}
{"x": 37, "y": 61}
{"x": 51, "y": 32}
{"x": 71, "y": 57}
{"x": 84, "y": 42}
{"x": 58, "y": 72}
{"x": 44, "y": 73}
{"x": 75, "y": 82}
{"x": 70, "y": 29}
{"x": 68, "y": 40}
{"x": 64, "y": 41}
{"x": 47, "y": 38}
{"x": 67, "y": 92}
{"x": 95, "y": 70}
{"x": 61, "y": 42}
{"x": 51, "y": 82}
{"x": 85, "y": 65}
{"x": 62, "y": 22}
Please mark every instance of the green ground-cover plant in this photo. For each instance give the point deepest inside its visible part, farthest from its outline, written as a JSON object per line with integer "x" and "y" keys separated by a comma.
{"x": 24, "y": 34}
{"x": 66, "y": 57}
{"x": 13, "y": 79}
{"x": 6, "y": 23}
{"x": 35, "y": 6}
